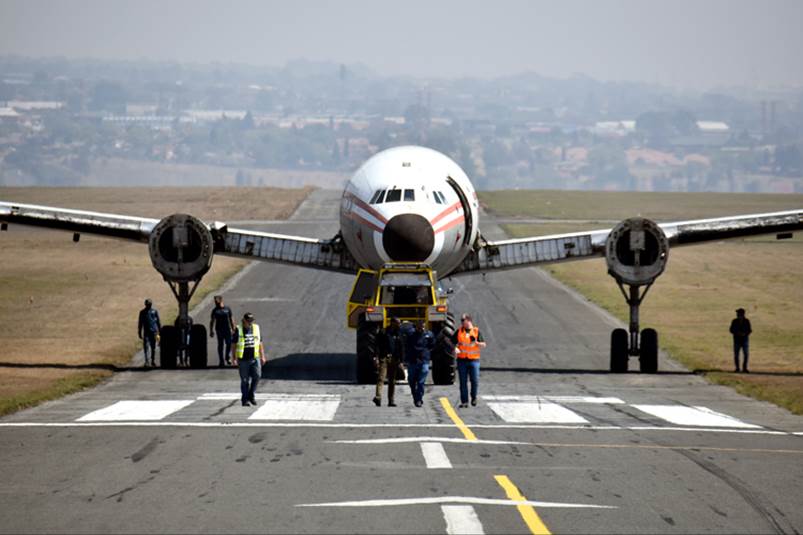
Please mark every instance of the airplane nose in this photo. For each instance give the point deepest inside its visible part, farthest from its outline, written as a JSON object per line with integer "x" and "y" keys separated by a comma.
{"x": 408, "y": 238}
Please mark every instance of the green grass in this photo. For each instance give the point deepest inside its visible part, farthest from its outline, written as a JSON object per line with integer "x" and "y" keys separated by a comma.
{"x": 61, "y": 387}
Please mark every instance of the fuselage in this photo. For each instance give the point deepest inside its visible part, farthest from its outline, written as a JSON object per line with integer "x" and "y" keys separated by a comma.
{"x": 409, "y": 204}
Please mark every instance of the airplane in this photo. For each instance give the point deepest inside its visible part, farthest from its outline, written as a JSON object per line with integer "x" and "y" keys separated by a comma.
{"x": 408, "y": 216}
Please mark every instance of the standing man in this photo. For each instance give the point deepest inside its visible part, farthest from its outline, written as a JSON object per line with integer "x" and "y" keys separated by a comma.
{"x": 249, "y": 356}
{"x": 468, "y": 343}
{"x": 148, "y": 330}
{"x": 417, "y": 355}
{"x": 222, "y": 323}
{"x": 740, "y": 329}
{"x": 391, "y": 353}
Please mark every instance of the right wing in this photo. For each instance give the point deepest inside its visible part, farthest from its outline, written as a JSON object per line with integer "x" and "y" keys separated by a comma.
{"x": 330, "y": 255}
{"x": 537, "y": 250}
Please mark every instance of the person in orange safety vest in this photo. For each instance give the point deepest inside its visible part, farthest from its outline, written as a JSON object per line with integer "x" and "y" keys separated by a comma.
{"x": 468, "y": 344}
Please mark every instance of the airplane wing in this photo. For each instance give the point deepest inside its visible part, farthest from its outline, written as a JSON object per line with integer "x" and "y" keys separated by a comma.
{"x": 328, "y": 254}
{"x": 522, "y": 252}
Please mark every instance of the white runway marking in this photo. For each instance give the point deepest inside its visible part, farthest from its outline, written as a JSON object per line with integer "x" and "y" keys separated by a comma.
{"x": 461, "y": 519}
{"x": 694, "y": 416}
{"x": 454, "y": 499}
{"x": 532, "y": 412}
{"x": 403, "y": 440}
{"x": 558, "y": 399}
{"x": 135, "y": 410}
{"x": 435, "y": 455}
{"x": 269, "y": 425}
{"x": 228, "y": 396}
{"x": 289, "y": 407}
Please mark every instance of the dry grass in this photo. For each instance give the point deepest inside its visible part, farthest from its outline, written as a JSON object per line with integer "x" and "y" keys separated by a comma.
{"x": 692, "y": 304}
{"x": 69, "y": 311}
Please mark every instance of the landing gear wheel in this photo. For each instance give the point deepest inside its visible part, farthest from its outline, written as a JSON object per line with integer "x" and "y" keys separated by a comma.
{"x": 649, "y": 351}
{"x": 168, "y": 347}
{"x": 443, "y": 361}
{"x": 619, "y": 351}
{"x": 366, "y": 352}
{"x": 198, "y": 347}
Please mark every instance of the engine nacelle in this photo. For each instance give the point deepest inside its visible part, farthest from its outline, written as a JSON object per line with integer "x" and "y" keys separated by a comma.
{"x": 181, "y": 248}
{"x": 636, "y": 251}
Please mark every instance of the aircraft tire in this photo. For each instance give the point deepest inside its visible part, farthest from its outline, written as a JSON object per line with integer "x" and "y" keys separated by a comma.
{"x": 198, "y": 350}
{"x": 619, "y": 353}
{"x": 366, "y": 352}
{"x": 168, "y": 347}
{"x": 649, "y": 351}
{"x": 443, "y": 361}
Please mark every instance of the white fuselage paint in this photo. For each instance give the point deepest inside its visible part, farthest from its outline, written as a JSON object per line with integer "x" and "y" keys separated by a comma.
{"x": 427, "y": 173}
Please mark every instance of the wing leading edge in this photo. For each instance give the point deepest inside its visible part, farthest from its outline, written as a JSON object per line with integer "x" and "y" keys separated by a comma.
{"x": 330, "y": 255}
{"x": 510, "y": 254}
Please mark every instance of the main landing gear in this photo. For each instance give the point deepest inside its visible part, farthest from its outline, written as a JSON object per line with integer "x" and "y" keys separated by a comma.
{"x": 636, "y": 251}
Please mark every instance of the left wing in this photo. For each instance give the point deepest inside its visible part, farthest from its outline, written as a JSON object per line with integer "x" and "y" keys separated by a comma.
{"x": 331, "y": 254}
{"x": 510, "y": 254}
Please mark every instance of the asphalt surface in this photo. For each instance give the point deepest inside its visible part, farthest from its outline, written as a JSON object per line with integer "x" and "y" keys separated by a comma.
{"x": 590, "y": 452}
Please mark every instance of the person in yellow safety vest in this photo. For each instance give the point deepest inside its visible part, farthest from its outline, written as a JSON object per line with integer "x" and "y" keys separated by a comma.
{"x": 468, "y": 343}
{"x": 248, "y": 354}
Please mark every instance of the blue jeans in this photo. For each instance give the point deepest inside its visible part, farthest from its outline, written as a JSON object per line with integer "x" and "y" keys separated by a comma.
{"x": 149, "y": 346}
{"x": 417, "y": 376}
{"x": 250, "y": 371}
{"x": 223, "y": 346}
{"x": 744, "y": 345}
{"x": 468, "y": 369}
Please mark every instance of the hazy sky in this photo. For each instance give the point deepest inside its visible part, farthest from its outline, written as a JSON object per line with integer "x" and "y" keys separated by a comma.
{"x": 676, "y": 42}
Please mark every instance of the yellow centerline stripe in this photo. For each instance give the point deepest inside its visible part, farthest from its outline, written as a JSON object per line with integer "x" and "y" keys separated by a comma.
{"x": 527, "y": 512}
{"x": 468, "y": 433}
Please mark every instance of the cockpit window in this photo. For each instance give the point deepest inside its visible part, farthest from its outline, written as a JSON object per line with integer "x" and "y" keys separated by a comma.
{"x": 409, "y": 195}
{"x": 394, "y": 195}
{"x": 379, "y": 197}
{"x": 375, "y": 197}
{"x": 437, "y": 197}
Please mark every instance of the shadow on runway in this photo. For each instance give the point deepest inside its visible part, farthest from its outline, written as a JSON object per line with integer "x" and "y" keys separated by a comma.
{"x": 312, "y": 367}
{"x": 567, "y": 371}
{"x": 702, "y": 371}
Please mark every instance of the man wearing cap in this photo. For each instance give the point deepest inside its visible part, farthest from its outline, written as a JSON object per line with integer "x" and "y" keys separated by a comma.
{"x": 418, "y": 355}
{"x": 248, "y": 354}
{"x": 740, "y": 329}
{"x": 391, "y": 353}
{"x": 148, "y": 330}
{"x": 468, "y": 343}
{"x": 222, "y": 324}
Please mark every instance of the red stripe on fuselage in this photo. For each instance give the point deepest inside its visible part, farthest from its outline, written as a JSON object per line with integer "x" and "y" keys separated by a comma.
{"x": 363, "y": 221}
{"x": 450, "y": 224}
{"x": 445, "y": 213}
{"x": 367, "y": 207}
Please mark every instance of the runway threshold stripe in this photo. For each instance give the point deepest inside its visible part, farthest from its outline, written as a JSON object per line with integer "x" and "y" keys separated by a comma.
{"x": 140, "y": 410}
{"x": 461, "y": 519}
{"x": 527, "y": 512}
{"x": 694, "y": 416}
{"x": 540, "y": 412}
{"x": 435, "y": 455}
{"x": 468, "y": 433}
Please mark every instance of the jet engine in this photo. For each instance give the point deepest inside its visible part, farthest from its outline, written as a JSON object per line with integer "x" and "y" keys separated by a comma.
{"x": 181, "y": 248}
{"x": 636, "y": 251}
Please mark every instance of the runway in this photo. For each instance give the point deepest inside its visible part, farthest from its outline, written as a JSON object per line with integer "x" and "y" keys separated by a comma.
{"x": 555, "y": 445}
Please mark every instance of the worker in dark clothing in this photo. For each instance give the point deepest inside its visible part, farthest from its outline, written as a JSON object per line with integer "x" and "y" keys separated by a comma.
{"x": 391, "y": 353}
{"x": 249, "y": 356}
{"x": 222, "y": 324}
{"x": 740, "y": 329}
{"x": 417, "y": 354}
{"x": 148, "y": 331}
{"x": 468, "y": 343}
